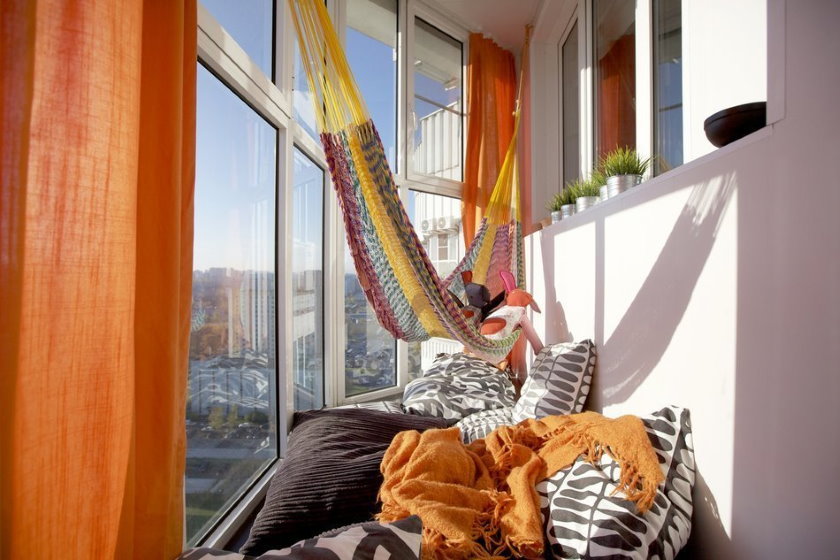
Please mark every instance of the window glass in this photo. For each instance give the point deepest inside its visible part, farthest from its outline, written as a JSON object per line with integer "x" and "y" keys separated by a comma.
{"x": 307, "y": 283}
{"x": 251, "y": 24}
{"x": 615, "y": 75}
{"x": 231, "y": 407}
{"x": 370, "y": 358}
{"x": 438, "y": 107}
{"x": 437, "y": 220}
{"x": 571, "y": 123}
{"x": 667, "y": 85}
{"x": 304, "y": 110}
{"x": 372, "y": 53}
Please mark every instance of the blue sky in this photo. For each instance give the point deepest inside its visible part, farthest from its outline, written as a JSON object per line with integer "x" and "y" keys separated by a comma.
{"x": 236, "y": 148}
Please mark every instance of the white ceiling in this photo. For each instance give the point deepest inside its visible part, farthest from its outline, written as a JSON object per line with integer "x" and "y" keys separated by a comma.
{"x": 503, "y": 20}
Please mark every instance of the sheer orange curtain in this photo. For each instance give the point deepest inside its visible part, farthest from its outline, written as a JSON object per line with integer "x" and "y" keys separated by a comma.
{"x": 491, "y": 99}
{"x": 97, "y": 116}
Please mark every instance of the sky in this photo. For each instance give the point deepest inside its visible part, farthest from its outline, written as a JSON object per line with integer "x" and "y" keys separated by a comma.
{"x": 236, "y": 148}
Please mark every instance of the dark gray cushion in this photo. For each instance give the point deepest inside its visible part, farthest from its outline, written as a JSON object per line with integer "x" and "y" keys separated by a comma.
{"x": 330, "y": 476}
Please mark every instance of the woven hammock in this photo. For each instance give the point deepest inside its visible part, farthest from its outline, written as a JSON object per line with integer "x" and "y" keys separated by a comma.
{"x": 409, "y": 298}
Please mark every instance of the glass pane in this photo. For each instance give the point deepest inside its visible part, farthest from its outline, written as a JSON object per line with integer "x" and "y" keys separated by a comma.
{"x": 372, "y": 53}
{"x": 304, "y": 111}
{"x": 438, "y": 88}
{"x": 571, "y": 123}
{"x": 370, "y": 360}
{"x": 437, "y": 220}
{"x": 307, "y": 283}
{"x": 615, "y": 81}
{"x": 667, "y": 88}
{"x": 251, "y": 24}
{"x": 231, "y": 407}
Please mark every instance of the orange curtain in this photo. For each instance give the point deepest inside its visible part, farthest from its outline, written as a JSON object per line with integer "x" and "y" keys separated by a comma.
{"x": 491, "y": 100}
{"x": 97, "y": 113}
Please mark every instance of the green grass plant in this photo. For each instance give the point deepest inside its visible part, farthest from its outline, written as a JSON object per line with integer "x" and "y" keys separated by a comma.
{"x": 624, "y": 161}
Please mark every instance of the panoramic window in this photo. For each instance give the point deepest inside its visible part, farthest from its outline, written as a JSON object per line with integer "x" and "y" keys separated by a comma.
{"x": 307, "y": 283}
{"x": 231, "y": 408}
{"x": 304, "y": 111}
{"x": 437, "y": 220}
{"x": 571, "y": 113}
{"x": 667, "y": 85}
{"x": 438, "y": 106}
{"x": 251, "y": 24}
{"x": 615, "y": 75}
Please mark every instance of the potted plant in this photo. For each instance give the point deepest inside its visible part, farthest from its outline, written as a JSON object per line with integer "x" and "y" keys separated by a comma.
{"x": 624, "y": 169}
{"x": 562, "y": 204}
{"x": 587, "y": 193}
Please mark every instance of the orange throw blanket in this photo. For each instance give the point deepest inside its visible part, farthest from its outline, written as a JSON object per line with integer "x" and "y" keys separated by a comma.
{"x": 480, "y": 501}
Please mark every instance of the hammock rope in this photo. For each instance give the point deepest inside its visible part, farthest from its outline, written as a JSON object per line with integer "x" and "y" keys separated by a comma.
{"x": 400, "y": 282}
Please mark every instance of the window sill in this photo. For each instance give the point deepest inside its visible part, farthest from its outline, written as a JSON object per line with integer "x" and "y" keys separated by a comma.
{"x": 232, "y": 522}
{"x": 657, "y": 186}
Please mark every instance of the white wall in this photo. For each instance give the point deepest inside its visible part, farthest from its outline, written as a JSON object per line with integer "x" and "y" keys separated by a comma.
{"x": 717, "y": 287}
{"x": 725, "y": 57}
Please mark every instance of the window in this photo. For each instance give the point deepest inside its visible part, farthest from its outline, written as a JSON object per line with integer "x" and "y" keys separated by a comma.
{"x": 269, "y": 273}
{"x": 615, "y": 75}
{"x": 370, "y": 360}
{"x": 436, "y": 218}
{"x": 251, "y": 24}
{"x": 372, "y": 52}
{"x": 667, "y": 85}
{"x": 307, "y": 283}
{"x": 231, "y": 408}
{"x": 571, "y": 113}
{"x": 438, "y": 109}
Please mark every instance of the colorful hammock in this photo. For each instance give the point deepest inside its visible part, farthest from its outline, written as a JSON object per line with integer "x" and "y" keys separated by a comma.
{"x": 399, "y": 281}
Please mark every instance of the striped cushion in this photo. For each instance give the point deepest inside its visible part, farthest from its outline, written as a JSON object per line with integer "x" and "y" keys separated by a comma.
{"x": 584, "y": 519}
{"x": 558, "y": 381}
{"x": 330, "y": 475}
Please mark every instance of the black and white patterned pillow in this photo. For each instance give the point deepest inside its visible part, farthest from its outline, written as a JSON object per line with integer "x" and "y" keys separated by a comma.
{"x": 558, "y": 381}
{"x": 400, "y": 539}
{"x": 479, "y": 424}
{"x": 584, "y": 519}
{"x": 392, "y": 407}
{"x": 370, "y": 540}
{"x": 457, "y": 385}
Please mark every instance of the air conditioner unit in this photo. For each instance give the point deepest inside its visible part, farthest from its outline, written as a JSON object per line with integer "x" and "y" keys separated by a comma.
{"x": 448, "y": 222}
{"x": 424, "y": 225}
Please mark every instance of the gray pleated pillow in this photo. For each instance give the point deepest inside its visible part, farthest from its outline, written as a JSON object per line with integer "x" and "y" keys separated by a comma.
{"x": 330, "y": 476}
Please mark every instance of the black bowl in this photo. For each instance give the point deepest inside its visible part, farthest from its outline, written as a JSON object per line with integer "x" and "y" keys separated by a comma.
{"x": 735, "y": 122}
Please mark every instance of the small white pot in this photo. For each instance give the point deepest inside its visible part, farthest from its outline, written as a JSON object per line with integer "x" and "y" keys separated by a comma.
{"x": 556, "y": 216}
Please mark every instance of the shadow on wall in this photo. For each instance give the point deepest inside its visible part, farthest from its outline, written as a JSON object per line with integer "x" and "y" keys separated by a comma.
{"x": 707, "y": 531}
{"x": 645, "y": 331}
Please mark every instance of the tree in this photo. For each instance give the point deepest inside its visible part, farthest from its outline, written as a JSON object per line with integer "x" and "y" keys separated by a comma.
{"x": 216, "y": 418}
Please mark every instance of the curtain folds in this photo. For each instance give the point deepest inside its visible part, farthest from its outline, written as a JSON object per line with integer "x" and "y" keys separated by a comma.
{"x": 491, "y": 100}
{"x": 97, "y": 112}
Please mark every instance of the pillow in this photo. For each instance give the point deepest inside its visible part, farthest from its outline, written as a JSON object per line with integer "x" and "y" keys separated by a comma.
{"x": 457, "y": 385}
{"x": 393, "y": 407}
{"x": 330, "y": 475}
{"x": 479, "y": 424}
{"x": 400, "y": 539}
{"x": 583, "y": 519}
{"x": 558, "y": 381}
